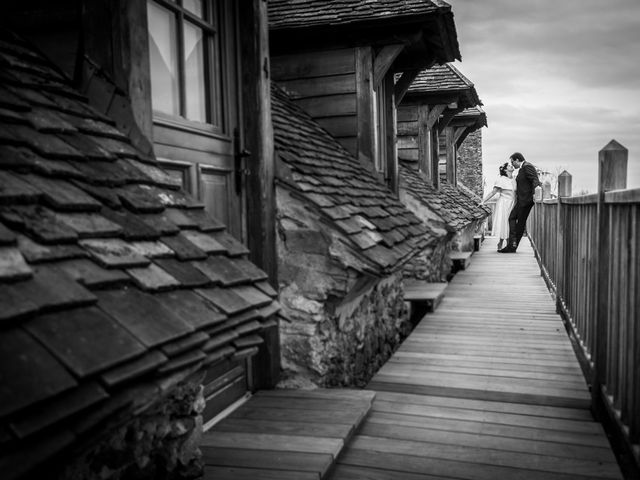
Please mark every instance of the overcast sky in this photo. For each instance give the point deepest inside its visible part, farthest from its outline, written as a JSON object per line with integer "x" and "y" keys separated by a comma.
{"x": 558, "y": 79}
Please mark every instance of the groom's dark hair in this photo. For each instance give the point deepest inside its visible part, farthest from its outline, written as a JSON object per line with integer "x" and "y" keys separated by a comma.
{"x": 517, "y": 156}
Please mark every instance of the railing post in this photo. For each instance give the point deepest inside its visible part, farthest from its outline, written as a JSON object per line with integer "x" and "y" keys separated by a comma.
{"x": 564, "y": 190}
{"x": 612, "y": 175}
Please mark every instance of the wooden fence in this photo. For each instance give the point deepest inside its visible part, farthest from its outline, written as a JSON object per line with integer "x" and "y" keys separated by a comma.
{"x": 588, "y": 249}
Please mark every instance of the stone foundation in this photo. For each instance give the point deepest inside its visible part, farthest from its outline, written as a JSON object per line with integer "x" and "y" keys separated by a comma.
{"x": 160, "y": 443}
{"x": 432, "y": 265}
{"x": 340, "y": 324}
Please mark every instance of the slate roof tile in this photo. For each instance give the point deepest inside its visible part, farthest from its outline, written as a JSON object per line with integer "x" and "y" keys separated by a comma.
{"x": 132, "y": 226}
{"x": 92, "y": 275}
{"x": 114, "y": 253}
{"x": 222, "y": 270}
{"x": 183, "y": 248}
{"x": 347, "y": 195}
{"x": 152, "y": 249}
{"x": 34, "y": 375}
{"x": 182, "y": 361}
{"x": 149, "y": 362}
{"x": 455, "y": 208}
{"x": 232, "y": 246}
{"x": 89, "y": 225}
{"x": 7, "y": 237}
{"x": 15, "y": 189}
{"x": 35, "y": 252}
{"x": 185, "y": 273}
{"x": 226, "y": 300}
{"x": 71, "y": 336}
{"x": 62, "y": 195}
{"x": 38, "y": 221}
{"x": 62, "y": 406}
{"x": 184, "y": 344}
{"x": 206, "y": 243}
{"x": 12, "y": 265}
{"x": 79, "y": 338}
{"x": 46, "y": 121}
{"x": 16, "y": 304}
{"x": 192, "y": 308}
{"x": 153, "y": 278}
{"x": 130, "y": 307}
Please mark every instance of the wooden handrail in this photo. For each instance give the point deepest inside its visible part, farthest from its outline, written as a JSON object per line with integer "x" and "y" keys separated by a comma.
{"x": 589, "y": 254}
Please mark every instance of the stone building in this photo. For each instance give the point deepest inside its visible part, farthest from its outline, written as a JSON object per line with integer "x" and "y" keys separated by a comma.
{"x": 131, "y": 310}
{"x": 343, "y": 235}
{"x": 440, "y": 112}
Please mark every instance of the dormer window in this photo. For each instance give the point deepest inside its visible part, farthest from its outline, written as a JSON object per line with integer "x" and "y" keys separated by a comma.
{"x": 184, "y": 57}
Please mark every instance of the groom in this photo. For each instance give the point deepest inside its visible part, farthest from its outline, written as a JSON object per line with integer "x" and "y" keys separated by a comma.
{"x": 526, "y": 182}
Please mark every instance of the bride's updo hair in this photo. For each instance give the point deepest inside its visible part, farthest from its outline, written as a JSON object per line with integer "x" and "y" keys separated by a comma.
{"x": 503, "y": 169}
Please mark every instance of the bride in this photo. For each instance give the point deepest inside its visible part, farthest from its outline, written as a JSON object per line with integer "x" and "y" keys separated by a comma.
{"x": 504, "y": 188}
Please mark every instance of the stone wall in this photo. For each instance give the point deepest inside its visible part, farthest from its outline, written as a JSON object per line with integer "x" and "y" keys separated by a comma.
{"x": 432, "y": 265}
{"x": 341, "y": 325}
{"x": 160, "y": 443}
{"x": 470, "y": 163}
{"x": 463, "y": 240}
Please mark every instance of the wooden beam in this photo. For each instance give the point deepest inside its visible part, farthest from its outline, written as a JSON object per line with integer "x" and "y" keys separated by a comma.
{"x": 458, "y": 131}
{"x": 434, "y": 114}
{"x": 258, "y": 139}
{"x": 434, "y": 156}
{"x": 424, "y": 141}
{"x": 383, "y": 61}
{"x": 447, "y": 116}
{"x": 364, "y": 106}
{"x": 403, "y": 84}
{"x": 390, "y": 132}
{"x": 452, "y": 177}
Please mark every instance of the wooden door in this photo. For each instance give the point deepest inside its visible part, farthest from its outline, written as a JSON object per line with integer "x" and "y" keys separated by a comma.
{"x": 197, "y": 127}
{"x": 194, "y": 82}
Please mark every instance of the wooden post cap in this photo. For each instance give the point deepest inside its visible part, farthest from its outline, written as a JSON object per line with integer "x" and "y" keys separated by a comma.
{"x": 564, "y": 184}
{"x": 612, "y": 167}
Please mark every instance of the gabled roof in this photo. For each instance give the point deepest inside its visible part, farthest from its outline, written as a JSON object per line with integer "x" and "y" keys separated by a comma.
{"x": 309, "y": 13}
{"x": 475, "y": 115}
{"x": 443, "y": 80}
{"x": 455, "y": 206}
{"x": 425, "y": 27}
{"x": 112, "y": 278}
{"x": 373, "y": 223}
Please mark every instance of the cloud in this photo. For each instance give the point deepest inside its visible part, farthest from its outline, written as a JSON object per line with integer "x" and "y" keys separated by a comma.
{"x": 558, "y": 80}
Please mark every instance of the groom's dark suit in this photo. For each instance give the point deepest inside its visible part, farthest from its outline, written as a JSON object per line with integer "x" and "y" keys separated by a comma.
{"x": 526, "y": 182}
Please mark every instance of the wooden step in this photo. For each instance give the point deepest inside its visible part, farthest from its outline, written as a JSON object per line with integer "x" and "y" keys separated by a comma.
{"x": 424, "y": 294}
{"x": 285, "y": 434}
{"x": 461, "y": 260}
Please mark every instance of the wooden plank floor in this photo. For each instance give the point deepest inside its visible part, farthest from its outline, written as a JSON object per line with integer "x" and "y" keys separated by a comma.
{"x": 487, "y": 387}
{"x": 284, "y": 434}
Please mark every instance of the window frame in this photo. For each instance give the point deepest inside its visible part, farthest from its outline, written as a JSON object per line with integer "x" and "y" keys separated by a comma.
{"x": 214, "y": 79}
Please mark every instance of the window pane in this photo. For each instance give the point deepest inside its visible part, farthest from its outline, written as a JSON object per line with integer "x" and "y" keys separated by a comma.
{"x": 163, "y": 57}
{"x": 194, "y": 74}
{"x": 194, "y": 6}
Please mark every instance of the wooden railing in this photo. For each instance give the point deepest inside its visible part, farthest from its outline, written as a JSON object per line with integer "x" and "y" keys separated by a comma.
{"x": 589, "y": 252}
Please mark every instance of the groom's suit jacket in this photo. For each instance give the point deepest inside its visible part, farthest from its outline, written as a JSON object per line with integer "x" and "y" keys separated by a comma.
{"x": 526, "y": 182}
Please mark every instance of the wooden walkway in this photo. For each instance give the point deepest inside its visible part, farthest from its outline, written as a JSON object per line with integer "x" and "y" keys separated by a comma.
{"x": 487, "y": 387}
{"x": 284, "y": 435}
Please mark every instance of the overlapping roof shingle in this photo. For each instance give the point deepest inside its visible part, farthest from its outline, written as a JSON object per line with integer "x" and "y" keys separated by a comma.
{"x": 306, "y": 13}
{"x": 455, "y": 207}
{"x": 443, "y": 79}
{"x": 110, "y": 275}
{"x": 378, "y": 228}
